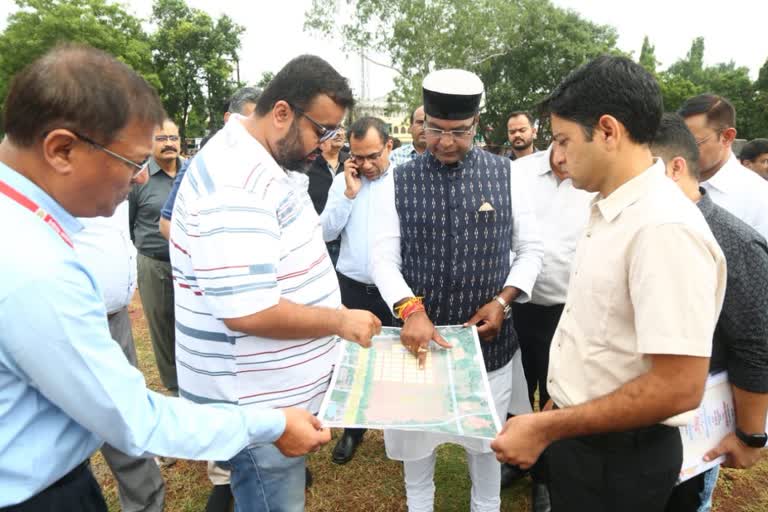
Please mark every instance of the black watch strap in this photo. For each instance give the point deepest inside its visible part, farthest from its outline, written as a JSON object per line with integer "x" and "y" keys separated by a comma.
{"x": 752, "y": 440}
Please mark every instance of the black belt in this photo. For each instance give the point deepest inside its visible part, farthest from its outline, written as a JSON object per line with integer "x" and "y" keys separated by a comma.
{"x": 156, "y": 255}
{"x": 628, "y": 438}
{"x": 369, "y": 288}
{"x": 61, "y": 482}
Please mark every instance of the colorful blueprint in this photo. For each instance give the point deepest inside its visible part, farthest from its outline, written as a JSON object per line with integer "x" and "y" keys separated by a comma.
{"x": 382, "y": 387}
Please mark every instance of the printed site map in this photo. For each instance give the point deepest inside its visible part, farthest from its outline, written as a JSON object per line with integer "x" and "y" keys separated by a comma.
{"x": 382, "y": 387}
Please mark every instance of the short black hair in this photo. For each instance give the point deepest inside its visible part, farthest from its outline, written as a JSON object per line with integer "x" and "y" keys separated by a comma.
{"x": 301, "y": 81}
{"x": 753, "y": 149}
{"x": 359, "y": 128}
{"x": 525, "y": 113}
{"x": 720, "y": 112}
{"x": 79, "y": 88}
{"x": 609, "y": 85}
{"x": 673, "y": 139}
{"x": 241, "y": 97}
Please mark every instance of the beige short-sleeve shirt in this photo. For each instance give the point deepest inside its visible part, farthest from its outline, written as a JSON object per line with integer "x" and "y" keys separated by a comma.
{"x": 648, "y": 278}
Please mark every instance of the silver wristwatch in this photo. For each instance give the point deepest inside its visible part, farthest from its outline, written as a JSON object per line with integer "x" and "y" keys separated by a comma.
{"x": 505, "y": 305}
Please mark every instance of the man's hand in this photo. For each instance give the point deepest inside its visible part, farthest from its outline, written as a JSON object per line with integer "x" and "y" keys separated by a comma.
{"x": 352, "y": 179}
{"x": 492, "y": 316}
{"x": 737, "y": 454}
{"x": 303, "y": 433}
{"x": 522, "y": 440}
{"x": 358, "y": 326}
{"x": 417, "y": 332}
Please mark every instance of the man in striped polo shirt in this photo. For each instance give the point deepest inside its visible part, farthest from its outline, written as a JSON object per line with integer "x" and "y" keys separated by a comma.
{"x": 258, "y": 310}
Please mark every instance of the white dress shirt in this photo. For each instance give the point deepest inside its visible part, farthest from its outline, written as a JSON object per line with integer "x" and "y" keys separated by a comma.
{"x": 105, "y": 248}
{"x": 562, "y": 213}
{"x": 742, "y": 192}
{"x": 353, "y": 219}
{"x": 385, "y": 266}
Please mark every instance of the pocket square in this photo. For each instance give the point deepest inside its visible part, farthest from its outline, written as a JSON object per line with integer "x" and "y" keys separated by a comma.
{"x": 486, "y": 207}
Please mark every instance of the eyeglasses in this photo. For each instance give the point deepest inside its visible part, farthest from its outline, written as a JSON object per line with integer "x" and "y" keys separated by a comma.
{"x": 137, "y": 166}
{"x": 359, "y": 159}
{"x": 165, "y": 138}
{"x": 324, "y": 132}
{"x": 455, "y": 134}
{"x": 705, "y": 139}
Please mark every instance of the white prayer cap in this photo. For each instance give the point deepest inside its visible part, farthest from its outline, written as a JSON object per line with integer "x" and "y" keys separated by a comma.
{"x": 452, "y": 94}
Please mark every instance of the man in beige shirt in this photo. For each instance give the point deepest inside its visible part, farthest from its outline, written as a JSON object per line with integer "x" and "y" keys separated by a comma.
{"x": 632, "y": 348}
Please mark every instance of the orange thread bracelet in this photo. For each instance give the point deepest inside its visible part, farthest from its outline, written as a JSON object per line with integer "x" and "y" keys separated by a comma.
{"x": 411, "y": 309}
{"x": 406, "y": 304}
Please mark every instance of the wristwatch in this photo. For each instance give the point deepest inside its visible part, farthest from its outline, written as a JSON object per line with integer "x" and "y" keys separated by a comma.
{"x": 752, "y": 440}
{"x": 507, "y": 307}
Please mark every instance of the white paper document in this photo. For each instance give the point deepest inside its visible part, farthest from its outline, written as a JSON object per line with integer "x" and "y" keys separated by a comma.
{"x": 382, "y": 387}
{"x": 715, "y": 418}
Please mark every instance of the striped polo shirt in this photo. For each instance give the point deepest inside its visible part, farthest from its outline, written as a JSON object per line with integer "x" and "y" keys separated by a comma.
{"x": 244, "y": 235}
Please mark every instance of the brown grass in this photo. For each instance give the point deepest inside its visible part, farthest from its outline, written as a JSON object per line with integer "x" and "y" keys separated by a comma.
{"x": 373, "y": 483}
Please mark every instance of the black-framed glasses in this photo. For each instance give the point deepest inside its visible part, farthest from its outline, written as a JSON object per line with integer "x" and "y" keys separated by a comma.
{"x": 358, "y": 159}
{"x": 165, "y": 138}
{"x": 433, "y": 132}
{"x": 325, "y": 133}
{"x": 137, "y": 166}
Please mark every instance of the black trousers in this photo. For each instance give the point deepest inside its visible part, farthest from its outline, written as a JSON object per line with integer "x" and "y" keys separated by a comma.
{"x": 77, "y": 491}
{"x": 357, "y": 295}
{"x": 686, "y": 497}
{"x": 535, "y": 326}
{"x": 632, "y": 471}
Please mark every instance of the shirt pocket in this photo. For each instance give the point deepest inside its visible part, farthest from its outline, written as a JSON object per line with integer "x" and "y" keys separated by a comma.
{"x": 486, "y": 218}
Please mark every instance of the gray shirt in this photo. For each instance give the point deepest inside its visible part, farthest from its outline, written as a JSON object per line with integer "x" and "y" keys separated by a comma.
{"x": 740, "y": 343}
{"x": 145, "y": 202}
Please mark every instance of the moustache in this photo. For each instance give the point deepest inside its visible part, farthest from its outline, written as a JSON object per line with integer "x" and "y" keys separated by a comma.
{"x": 169, "y": 148}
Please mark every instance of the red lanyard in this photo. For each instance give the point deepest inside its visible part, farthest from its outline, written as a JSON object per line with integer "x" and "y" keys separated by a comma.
{"x": 32, "y": 206}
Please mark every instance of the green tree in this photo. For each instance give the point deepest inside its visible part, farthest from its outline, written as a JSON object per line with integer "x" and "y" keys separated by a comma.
{"x": 38, "y": 25}
{"x": 692, "y": 66}
{"x": 266, "y": 77}
{"x": 688, "y": 77}
{"x": 648, "y": 56}
{"x": 760, "y": 106}
{"x": 524, "y": 49}
{"x": 676, "y": 89}
{"x": 762, "y": 78}
{"x": 194, "y": 55}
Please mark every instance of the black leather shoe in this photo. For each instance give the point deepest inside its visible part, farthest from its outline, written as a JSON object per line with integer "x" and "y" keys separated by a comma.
{"x": 345, "y": 447}
{"x": 540, "y": 498}
{"x": 510, "y": 474}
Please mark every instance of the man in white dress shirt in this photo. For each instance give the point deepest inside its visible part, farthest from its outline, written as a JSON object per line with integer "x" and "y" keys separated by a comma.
{"x": 562, "y": 213}
{"x": 350, "y": 213}
{"x": 450, "y": 222}
{"x": 105, "y": 248}
{"x": 712, "y": 120}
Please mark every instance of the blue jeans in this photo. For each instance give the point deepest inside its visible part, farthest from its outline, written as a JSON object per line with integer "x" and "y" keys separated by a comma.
{"x": 710, "y": 481}
{"x": 264, "y": 480}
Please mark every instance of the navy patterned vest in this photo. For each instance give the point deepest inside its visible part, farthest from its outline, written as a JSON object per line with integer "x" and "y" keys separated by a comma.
{"x": 454, "y": 255}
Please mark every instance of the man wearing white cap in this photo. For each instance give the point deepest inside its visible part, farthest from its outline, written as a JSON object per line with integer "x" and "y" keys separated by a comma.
{"x": 450, "y": 223}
